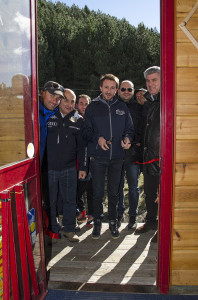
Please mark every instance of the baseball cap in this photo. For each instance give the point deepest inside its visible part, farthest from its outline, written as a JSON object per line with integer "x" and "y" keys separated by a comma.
{"x": 54, "y": 88}
{"x": 139, "y": 90}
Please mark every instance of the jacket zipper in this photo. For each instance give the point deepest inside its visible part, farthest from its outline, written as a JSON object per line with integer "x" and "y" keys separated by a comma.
{"x": 110, "y": 123}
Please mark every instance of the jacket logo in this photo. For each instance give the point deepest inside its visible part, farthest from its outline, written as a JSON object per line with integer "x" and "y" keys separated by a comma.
{"x": 52, "y": 124}
{"x": 75, "y": 117}
{"x": 120, "y": 112}
{"x": 53, "y": 117}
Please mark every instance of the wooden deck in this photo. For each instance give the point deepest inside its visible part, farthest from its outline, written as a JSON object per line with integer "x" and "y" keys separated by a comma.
{"x": 124, "y": 264}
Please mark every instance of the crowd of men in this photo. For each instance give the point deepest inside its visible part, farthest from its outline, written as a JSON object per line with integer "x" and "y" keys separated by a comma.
{"x": 84, "y": 142}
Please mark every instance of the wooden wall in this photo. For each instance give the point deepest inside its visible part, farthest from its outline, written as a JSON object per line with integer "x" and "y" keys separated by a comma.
{"x": 185, "y": 210}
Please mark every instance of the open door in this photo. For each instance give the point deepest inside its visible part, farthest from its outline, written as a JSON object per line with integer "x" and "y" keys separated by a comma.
{"x": 22, "y": 232}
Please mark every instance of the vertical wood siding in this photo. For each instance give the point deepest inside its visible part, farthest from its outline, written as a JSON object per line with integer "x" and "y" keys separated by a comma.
{"x": 185, "y": 220}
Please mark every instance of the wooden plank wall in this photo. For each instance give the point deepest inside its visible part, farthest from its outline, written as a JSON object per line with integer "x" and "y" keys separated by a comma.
{"x": 185, "y": 214}
{"x": 12, "y": 131}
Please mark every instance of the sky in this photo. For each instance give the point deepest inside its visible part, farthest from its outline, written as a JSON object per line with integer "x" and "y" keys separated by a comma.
{"x": 134, "y": 11}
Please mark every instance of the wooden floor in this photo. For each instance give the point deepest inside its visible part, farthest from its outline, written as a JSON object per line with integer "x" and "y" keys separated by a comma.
{"x": 104, "y": 264}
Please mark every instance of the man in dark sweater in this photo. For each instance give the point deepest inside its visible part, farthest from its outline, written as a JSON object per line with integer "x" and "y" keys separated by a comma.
{"x": 64, "y": 144}
{"x": 132, "y": 155}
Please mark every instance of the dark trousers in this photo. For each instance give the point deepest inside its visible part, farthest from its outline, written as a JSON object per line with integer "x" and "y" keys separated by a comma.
{"x": 98, "y": 170}
{"x": 65, "y": 183}
{"x": 151, "y": 188}
{"x": 85, "y": 192}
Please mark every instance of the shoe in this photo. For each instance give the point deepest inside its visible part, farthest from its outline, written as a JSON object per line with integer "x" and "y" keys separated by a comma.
{"x": 113, "y": 226}
{"x": 132, "y": 223}
{"x": 82, "y": 217}
{"x": 120, "y": 220}
{"x": 60, "y": 220}
{"x": 97, "y": 229}
{"x": 77, "y": 228}
{"x": 90, "y": 221}
{"x": 146, "y": 227}
{"x": 155, "y": 238}
{"x": 72, "y": 237}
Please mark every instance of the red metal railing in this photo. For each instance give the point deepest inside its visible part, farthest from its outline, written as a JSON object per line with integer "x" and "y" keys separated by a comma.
{"x": 9, "y": 251}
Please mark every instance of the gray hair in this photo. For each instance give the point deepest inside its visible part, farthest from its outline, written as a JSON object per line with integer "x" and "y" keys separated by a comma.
{"x": 151, "y": 70}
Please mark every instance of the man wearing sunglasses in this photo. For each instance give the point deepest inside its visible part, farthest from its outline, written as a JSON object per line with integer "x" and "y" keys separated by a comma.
{"x": 132, "y": 155}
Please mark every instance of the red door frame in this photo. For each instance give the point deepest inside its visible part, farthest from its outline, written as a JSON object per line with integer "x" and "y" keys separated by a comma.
{"x": 29, "y": 169}
{"x": 167, "y": 143}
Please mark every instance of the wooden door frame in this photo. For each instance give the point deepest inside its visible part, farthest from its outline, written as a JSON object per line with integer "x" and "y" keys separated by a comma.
{"x": 167, "y": 8}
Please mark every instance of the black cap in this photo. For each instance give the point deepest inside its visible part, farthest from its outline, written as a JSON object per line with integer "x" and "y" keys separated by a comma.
{"x": 54, "y": 88}
{"x": 139, "y": 90}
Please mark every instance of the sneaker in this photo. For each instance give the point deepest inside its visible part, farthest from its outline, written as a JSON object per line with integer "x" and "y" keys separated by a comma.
{"x": 155, "y": 238}
{"x": 72, "y": 237}
{"x": 113, "y": 226}
{"x": 90, "y": 221}
{"x": 60, "y": 220}
{"x": 97, "y": 229}
{"x": 146, "y": 227}
{"x": 82, "y": 217}
{"x": 77, "y": 228}
{"x": 120, "y": 220}
{"x": 132, "y": 223}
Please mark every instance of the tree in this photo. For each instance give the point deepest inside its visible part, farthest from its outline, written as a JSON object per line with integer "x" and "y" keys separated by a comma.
{"x": 76, "y": 46}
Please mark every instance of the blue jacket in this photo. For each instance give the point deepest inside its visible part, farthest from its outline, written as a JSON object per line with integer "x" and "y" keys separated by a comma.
{"x": 111, "y": 120}
{"x": 44, "y": 114}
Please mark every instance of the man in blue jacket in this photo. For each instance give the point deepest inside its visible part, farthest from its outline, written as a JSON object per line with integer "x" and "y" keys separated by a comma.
{"x": 50, "y": 97}
{"x": 108, "y": 130}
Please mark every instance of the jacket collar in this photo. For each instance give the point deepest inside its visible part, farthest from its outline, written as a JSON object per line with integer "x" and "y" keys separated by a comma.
{"x": 114, "y": 100}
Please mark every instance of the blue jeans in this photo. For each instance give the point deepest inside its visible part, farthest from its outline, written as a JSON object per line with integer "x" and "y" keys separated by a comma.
{"x": 98, "y": 170}
{"x": 65, "y": 183}
{"x": 132, "y": 175}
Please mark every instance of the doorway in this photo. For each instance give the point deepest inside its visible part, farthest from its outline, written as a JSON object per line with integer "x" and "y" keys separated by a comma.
{"x": 165, "y": 208}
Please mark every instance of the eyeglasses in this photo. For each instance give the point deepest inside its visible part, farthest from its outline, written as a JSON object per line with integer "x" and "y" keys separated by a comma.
{"x": 128, "y": 89}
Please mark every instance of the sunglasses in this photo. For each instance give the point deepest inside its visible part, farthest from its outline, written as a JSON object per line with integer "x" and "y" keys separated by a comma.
{"x": 128, "y": 89}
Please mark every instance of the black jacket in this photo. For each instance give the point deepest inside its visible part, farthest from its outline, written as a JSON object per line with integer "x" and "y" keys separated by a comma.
{"x": 64, "y": 142}
{"x": 133, "y": 154}
{"x": 152, "y": 138}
